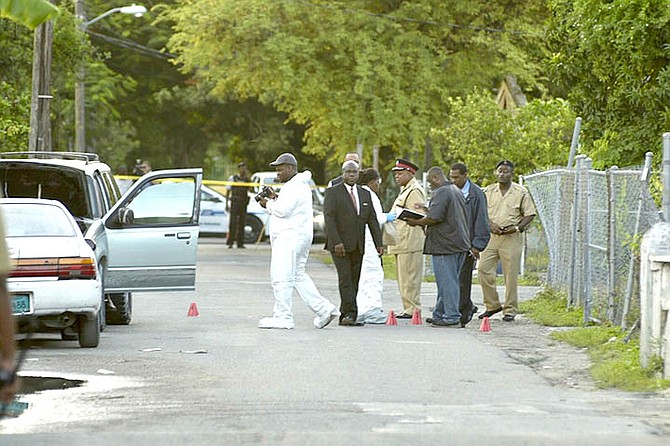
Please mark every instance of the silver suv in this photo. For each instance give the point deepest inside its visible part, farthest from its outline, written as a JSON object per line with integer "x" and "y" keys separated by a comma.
{"x": 145, "y": 239}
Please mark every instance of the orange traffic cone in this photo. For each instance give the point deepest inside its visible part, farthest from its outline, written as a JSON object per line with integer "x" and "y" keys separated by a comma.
{"x": 416, "y": 317}
{"x": 193, "y": 310}
{"x": 486, "y": 325}
{"x": 391, "y": 319}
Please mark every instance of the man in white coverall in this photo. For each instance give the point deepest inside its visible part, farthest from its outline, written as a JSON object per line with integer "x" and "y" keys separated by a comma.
{"x": 291, "y": 231}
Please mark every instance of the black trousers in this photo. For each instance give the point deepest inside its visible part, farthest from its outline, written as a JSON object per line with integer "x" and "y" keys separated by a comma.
{"x": 465, "y": 281}
{"x": 237, "y": 217}
{"x": 348, "y": 274}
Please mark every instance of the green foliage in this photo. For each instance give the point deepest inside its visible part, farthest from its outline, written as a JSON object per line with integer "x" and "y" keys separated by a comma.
{"x": 16, "y": 47}
{"x": 549, "y": 307}
{"x": 479, "y": 133}
{"x": 30, "y": 13}
{"x": 355, "y": 71}
{"x": 613, "y": 60}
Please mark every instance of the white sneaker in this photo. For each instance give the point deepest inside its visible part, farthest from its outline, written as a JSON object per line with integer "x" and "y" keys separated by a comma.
{"x": 275, "y": 322}
{"x": 327, "y": 318}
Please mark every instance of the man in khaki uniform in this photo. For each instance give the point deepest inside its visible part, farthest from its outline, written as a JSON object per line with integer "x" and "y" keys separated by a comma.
{"x": 511, "y": 210}
{"x": 409, "y": 249}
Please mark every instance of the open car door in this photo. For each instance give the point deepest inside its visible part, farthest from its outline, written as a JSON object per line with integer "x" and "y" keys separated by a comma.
{"x": 152, "y": 233}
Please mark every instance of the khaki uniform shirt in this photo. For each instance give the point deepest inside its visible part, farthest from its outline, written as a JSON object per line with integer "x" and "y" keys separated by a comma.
{"x": 511, "y": 208}
{"x": 410, "y": 239}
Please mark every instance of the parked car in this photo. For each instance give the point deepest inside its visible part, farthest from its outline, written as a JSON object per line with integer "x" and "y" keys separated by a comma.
{"x": 270, "y": 179}
{"x": 139, "y": 247}
{"x": 214, "y": 216}
{"x": 54, "y": 285}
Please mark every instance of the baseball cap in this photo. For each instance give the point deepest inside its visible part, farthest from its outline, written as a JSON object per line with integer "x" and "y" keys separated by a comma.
{"x": 285, "y": 158}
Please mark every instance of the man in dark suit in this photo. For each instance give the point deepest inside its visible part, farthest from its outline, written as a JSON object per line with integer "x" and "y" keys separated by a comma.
{"x": 480, "y": 234}
{"x": 347, "y": 209}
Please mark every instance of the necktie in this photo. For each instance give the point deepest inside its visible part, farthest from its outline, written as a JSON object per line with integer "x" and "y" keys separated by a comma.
{"x": 353, "y": 198}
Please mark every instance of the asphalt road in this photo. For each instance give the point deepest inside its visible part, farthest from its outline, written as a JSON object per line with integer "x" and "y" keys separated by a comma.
{"x": 173, "y": 379}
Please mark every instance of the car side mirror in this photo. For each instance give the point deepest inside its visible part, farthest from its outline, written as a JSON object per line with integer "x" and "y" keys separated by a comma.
{"x": 125, "y": 216}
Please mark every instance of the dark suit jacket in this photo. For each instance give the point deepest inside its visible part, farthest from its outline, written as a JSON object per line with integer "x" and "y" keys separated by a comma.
{"x": 343, "y": 225}
{"x": 478, "y": 217}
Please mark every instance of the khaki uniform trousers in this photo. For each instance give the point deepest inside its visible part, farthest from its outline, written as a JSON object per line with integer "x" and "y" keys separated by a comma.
{"x": 409, "y": 267}
{"x": 507, "y": 249}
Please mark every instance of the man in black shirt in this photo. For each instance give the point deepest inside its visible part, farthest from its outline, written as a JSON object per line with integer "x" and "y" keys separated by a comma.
{"x": 238, "y": 199}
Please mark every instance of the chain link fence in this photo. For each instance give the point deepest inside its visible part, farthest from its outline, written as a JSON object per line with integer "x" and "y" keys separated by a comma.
{"x": 593, "y": 222}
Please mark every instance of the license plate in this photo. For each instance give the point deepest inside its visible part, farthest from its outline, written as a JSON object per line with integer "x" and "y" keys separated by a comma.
{"x": 21, "y": 304}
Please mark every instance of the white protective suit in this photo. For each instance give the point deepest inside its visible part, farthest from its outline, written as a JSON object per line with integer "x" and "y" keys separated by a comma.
{"x": 291, "y": 232}
{"x": 371, "y": 283}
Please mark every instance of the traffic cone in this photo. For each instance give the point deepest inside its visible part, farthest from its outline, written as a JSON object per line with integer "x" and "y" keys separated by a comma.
{"x": 486, "y": 325}
{"x": 416, "y": 317}
{"x": 193, "y": 310}
{"x": 391, "y": 319}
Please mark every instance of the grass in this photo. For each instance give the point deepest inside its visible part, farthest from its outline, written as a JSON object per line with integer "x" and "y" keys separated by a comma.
{"x": 616, "y": 363}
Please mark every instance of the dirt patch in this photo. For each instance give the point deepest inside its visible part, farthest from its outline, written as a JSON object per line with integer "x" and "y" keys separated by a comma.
{"x": 564, "y": 365}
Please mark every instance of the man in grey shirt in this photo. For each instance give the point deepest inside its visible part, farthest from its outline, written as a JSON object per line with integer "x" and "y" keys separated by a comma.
{"x": 447, "y": 240}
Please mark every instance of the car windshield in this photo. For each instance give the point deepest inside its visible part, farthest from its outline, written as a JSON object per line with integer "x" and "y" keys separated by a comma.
{"x": 36, "y": 220}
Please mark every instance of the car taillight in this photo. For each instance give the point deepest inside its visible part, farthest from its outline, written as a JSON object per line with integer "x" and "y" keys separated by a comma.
{"x": 63, "y": 268}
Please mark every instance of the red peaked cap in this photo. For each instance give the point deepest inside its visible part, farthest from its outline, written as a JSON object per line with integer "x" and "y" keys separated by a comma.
{"x": 402, "y": 164}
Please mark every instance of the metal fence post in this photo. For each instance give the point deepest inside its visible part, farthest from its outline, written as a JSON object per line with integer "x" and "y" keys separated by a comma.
{"x": 611, "y": 244}
{"x": 586, "y": 241}
{"x": 644, "y": 178}
{"x": 666, "y": 178}
{"x": 573, "y": 280}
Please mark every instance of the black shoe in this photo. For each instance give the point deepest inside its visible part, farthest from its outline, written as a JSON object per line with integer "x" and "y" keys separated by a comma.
{"x": 241, "y": 247}
{"x": 404, "y": 316}
{"x": 429, "y": 320}
{"x": 489, "y": 313}
{"x": 230, "y": 246}
{"x": 444, "y": 324}
{"x": 349, "y": 321}
{"x": 508, "y": 318}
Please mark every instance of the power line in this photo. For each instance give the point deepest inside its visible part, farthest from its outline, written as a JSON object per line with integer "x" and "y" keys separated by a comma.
{"x": 133, "y": 46}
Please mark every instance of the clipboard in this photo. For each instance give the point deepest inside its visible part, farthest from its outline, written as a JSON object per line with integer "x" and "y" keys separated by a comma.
{"x": 405, "y": 213}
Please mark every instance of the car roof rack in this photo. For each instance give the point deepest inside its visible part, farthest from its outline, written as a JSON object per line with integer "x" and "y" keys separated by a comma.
{"x": 81, "y": 156}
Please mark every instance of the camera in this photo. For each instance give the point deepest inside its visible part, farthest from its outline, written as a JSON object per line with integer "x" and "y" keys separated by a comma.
{"x": 266, "y": 192}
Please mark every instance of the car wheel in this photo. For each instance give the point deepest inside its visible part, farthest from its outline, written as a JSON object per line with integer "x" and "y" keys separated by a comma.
{"x": 123, "y": 312}
{"x": 103, "y": 314}
{"x": 252, "y": 229}
{"x": 89, "y": 331}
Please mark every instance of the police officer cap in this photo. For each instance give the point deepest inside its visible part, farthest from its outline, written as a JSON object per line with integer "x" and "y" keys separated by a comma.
{"x": 403, "y": 164}
{"x": 285, "y": 158}
{"x": 240, "y": 164}
{"x": 507, "y": 163}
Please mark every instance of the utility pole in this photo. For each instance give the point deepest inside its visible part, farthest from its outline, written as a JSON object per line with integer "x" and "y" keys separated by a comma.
{"x": 40, "y": 101}
{"x": 79, "y": 90}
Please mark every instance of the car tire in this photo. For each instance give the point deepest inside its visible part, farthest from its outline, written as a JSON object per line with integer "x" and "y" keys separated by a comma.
{"x": 253, "y": 228}
{"x": 89, "y": 331}
{"x": 124, "y": 309}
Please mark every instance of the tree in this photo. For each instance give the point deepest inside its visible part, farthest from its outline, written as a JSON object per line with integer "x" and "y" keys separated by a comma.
{"x": 479, "y": 133}
{"x": 357, "y": 71}
{"x": 613, "y": 60}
